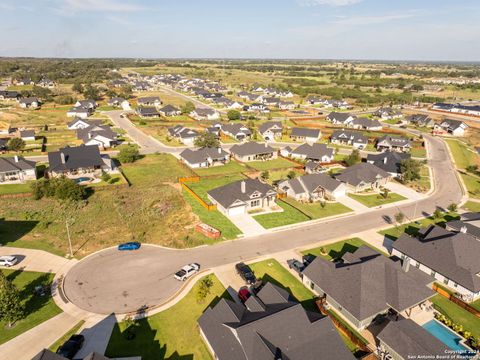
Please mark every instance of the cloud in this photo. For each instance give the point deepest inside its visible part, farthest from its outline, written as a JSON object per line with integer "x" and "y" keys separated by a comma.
{"x": 373, "y": 19}
{"x": 6, "y": 7}
{"x": 328, "y": 2}
{"x": 99, "y": 6}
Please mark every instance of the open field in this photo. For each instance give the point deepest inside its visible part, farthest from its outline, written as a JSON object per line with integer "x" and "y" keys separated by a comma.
{"x": 37, "y": 308}
{"x": 170, "y": 334}
{"x": 462, "y": 154}
{"x": 376, "y": 199}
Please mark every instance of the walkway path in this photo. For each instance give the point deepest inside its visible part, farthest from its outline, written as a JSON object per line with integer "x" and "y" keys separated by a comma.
{"x": 97, "y": 331}
{"x": 356, "y": 206}
{"x": 247, "y": 225}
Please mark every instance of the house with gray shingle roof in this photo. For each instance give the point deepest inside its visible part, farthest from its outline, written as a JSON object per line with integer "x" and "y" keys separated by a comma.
{"x": 469, "y": 223}
{"x": 313, "y": 187}
{"x": 451, "y": 258}
{"x": 352, "y": 138}
{"x": 27, "y": 135}
{"x": 271, "y": 325}
{"x": 100, "y": 135}
{"x": 253, "y": 151}
{"x": 388, "y": 113}
{"x": 204, "y": 157}
{"x": 79, "y": 112}
{"x": 29, "y": 103}
{"x": 148, "y": 112}
{"x": 404, "y": 339}
{"x": 271, "y": 130}
{"x": 149, "y": 101}
{"x": 421, "y": 120}
{"x": 314, "y": 152}
{"x": 390, "y": 161}
{"x": 242, "y": 196}
{"x": 305, "y": 134}
{"x": 363, "y": 123}
{"x": 340, "y": 118}
{"x": 185, "y": 135}
{"x": 393, "y": 143}
{"x": 169, "y": 110}
{"x": 235, "y": 130}
{"x": 450, "y": 126}
{"x": 367, "y": 284}
{"x": 205, "y": 114}
{"x": 363, "y": 176}
{"x": 16, "y": 169}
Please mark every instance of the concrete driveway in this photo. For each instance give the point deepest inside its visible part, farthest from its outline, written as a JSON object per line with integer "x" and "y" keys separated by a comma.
{"x": 37, "y": 260}
{"x": 359, "y": 208}
{"x": 247, "y": 225}
{"x": 404, "y": 191}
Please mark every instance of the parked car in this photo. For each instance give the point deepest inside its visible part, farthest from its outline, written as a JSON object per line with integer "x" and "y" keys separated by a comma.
{"x": 8, "y": 260}
{"x": 133, "y": 245}
{"x": 246, "y": 273}
{"x": 185, "y": 272}
{"x": 296, "y": 265}
{"x": 244, "y": 293}
{"x": 71, "y": 346}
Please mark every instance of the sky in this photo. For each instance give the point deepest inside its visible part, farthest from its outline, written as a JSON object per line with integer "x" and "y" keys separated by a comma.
{"x": 428, "y": 30}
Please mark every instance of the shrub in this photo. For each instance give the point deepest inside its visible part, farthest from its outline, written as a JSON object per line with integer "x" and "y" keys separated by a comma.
{"x": 128, "y": 154}
{"x": 15, "y": 144}
{"x": 61, "y": 188}
{"x": 233, "y": 115}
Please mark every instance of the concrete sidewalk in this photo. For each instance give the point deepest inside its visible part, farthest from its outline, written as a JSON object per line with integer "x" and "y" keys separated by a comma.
{"x": 357, "y": 207}
{"x": 247, "y": 225}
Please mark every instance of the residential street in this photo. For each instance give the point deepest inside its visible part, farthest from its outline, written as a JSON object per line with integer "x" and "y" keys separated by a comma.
{"x": 112, "y": 281}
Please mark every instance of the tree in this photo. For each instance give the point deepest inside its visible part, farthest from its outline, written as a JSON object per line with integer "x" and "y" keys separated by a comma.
{"x": 353, "y": 158}
{"x": 399, "y": 217}
{"x": 204, "y": 289}
{"x": 77, "y": 87}
{"x": 126, "y": 92}
{"x": 265, "y": 175}
{"x": 385, "y": 192}
{"x": 128, "y": 153}
{"x": 233, "y": 115}
{"x": 64, "y": 188}
{"x": 91, "y": 92}
{"x": 106, "y": 177}
{"x": 187, "y": 108}
{"x": 11, "y": 306}
{"x": 452, "y": 207}
{"x": 207, "y": 140}
{"x": 15, "y": 144}
{"x": 291, "y": 174}
{"x": 410, "y": 170}
{"x": 437, "y": 214}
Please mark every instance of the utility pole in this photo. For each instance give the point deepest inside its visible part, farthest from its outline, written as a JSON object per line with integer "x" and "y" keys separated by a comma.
{"x": 69, "y": 239}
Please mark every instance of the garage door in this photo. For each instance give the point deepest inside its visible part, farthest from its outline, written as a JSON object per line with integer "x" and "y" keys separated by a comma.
{"x": 238, "y": 210}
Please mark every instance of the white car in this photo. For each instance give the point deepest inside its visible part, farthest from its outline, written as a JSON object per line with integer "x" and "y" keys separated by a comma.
{"x": 185, "y": 272}
{"x": 8, "y": 260}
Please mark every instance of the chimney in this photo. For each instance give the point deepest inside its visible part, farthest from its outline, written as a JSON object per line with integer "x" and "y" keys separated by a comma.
{"x": 62, "y": 157}
{"x": 16, "y": 158}
{"x": 385, "y": 160}
{"x": 463, "y": 229}
{"x": 406, "y": 264}
{"x": 219, "y": 150}
{"x": 243, "y": 187}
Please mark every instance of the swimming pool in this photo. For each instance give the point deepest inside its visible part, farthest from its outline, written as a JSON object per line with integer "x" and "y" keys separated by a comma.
{"x": 82, "y": 179}
{"x": 444, "y": 334}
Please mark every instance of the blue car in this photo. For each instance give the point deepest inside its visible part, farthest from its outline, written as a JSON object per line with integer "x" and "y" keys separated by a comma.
{"x": 129, "y": 246}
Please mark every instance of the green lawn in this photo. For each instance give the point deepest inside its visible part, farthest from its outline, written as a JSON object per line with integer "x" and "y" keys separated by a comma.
{"x": 458, "y": 315}
{"x": 202, "y": 187}
{"x": 66, "y": 336}
{"x": 231, "y": 167}
{"x": 462, "y": 155}
{"x": 338, "y": 249}
{"x": 15, "y": 188}
{"x": 213, "y": 218}
{"x": 476, "y": 304}
{"x": 170, "y": 334}
{"x": 279, "y": 163}
{"x": 473, "y": 185}
{"x": 37, "y": 308}
{"x": 288, "y": 216}
{"x": 472, "y": 206}
{"x": 376, "y": 199}
{"x": 412, "y": 228}
{"x": 418, "y": 152}
{"x": 270, "y": 270}
{"x": 316, "y": 211}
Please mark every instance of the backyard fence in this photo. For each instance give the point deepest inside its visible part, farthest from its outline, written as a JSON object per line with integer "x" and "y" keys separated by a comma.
{"x": 13, "y": 196}
{"x": 184, "y": 180}
{"x": 455, "y": 300}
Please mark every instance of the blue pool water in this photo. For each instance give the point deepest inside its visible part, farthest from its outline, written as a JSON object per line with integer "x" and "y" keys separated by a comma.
{"x": 444, "y": 334}
{"x": 82, "y": 179}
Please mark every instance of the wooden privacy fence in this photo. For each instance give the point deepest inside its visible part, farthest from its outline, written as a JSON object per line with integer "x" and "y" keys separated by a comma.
{"x": 13, "y": 196}
{"x": 209, "y": 207}
{"x": 455, "y": 300}
{"x": 182, "y": 180}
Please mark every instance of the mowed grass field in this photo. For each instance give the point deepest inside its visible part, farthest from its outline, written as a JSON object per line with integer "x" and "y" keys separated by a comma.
{"x": 462, "y": 154}
{"x": 376, "y": 199}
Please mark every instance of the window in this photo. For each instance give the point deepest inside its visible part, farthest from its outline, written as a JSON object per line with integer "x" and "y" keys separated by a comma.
{"x": 312, "y": 285}
{"x": 255, "y": 203}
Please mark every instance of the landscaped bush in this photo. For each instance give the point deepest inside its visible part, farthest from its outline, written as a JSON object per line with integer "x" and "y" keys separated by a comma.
{"x": 61, "y": 188}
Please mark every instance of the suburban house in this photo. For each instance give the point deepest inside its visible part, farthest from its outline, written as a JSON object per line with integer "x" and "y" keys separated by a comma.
{"x": 80, "y": 112}
{"x": 339, "y": 118}
{"x": 314, "y": 100}
{"x": 16, "y": 169}
{"x": 29, "y": 103}
{"x": 271, "y": 130}
{"x": 338, "y": 104}
{"x": 256, "y": 107}
{"x": 185, "y": 135}
{"x": 169, "y": 110}
{"x": 286, "y": 105}
{"x": 389, "y": 161}
{"x": 83, "y": 159}
{"x": 24, "y": 81}
{"x": 100, "y": 135}
{"x": 366, "y": 124}
{"x": 27, "y": 135}
{"x": 119, "y": 102}
{"x": 250, "y": 97}
{"x": 366, "y": 286}
{"x": 391, "y": 143}
{"x": 148, "y": 112}
{"x": 313, "y": 167}
{"x": 305, "y": 134}
{"x": 47, "y": 83}
{"x": 388, "y": 113}
{"x": 242, "y": 196}
{"x": 469, "y": 223}
{"x": 451, "y": 127}
{"x": 272, "y": 101}
{"x": 451, "y": 258}
{"x": 404, "y": 339}
{"x": 237, "y": 131}
{"x": 9, "y": 95}
{"x": 149, "y": 101}
{"x": 253, "y": 151}
{"x": 78, "y": 123}
{"x": 458, "y": 108}
{"x": 204, "y": 157}
{"x": 351, "y": 138}
{"x": 89, "y": 104}
{"x": 271, "y": 325}
{"x": 205, "y": 114}
{"x": 314, "y": 152}
{"x": 313, "y": 187}
{"x": 420, "y": 120}
{"x": 363, "y": 176}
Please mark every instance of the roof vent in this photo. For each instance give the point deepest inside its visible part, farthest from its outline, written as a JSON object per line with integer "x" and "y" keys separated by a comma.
{"x": 15, "y": 158}
{"x": 463, "y": 229}
{"x": 243, "y": 188}
{"x": 62, "y": 157}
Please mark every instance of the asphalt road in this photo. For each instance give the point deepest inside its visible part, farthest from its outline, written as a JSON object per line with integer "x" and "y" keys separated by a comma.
{"x": 113, "y": 281}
